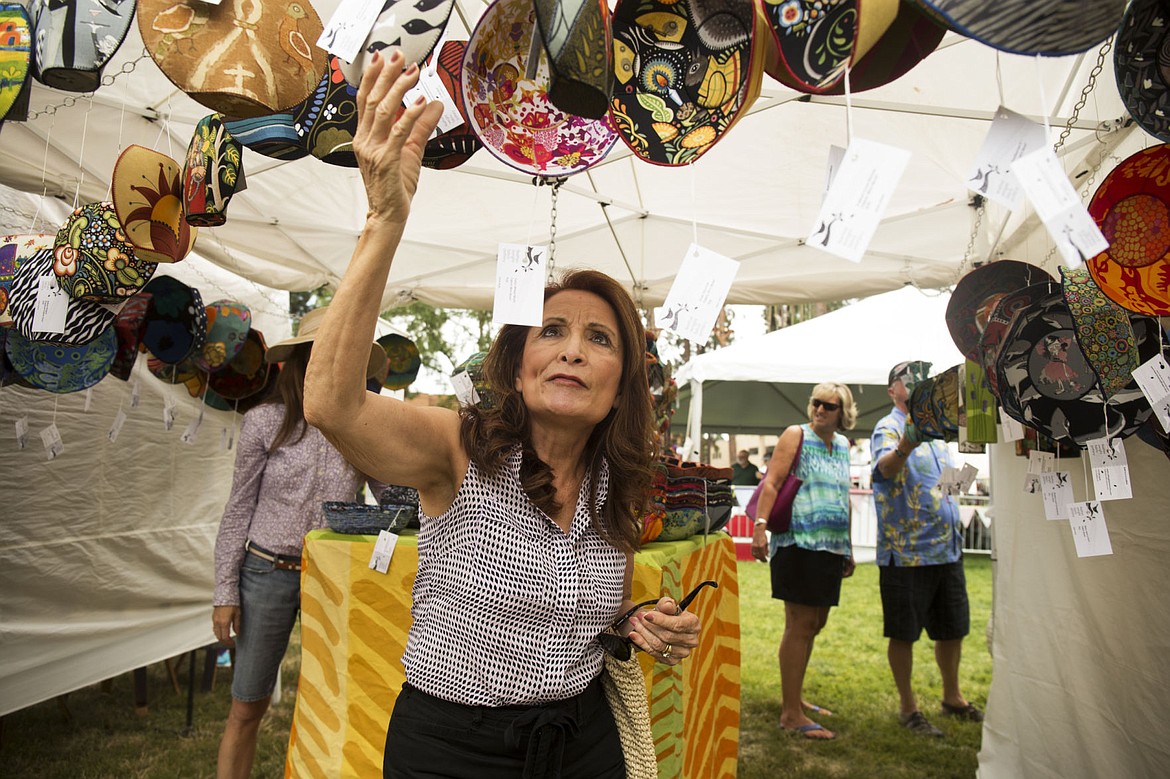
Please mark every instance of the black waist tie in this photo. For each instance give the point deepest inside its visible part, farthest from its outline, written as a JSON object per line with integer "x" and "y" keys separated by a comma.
{"x": 549, "y": 726}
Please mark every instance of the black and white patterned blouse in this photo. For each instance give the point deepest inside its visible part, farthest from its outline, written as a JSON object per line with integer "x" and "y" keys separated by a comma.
{"x": 506, "y": 604}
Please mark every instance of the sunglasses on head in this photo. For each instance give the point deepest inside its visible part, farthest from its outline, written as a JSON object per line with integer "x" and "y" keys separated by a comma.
{"x": 620, "y": 646}
{"x": 826, "y": 405}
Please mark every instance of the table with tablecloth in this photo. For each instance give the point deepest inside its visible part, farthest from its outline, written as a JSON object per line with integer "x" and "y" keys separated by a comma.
{"x": 354, "y": 623}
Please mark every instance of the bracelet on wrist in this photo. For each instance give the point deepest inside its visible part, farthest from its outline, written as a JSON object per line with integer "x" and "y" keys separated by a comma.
{"x": 761, "y": 522}
{"x": 898, "y": 451}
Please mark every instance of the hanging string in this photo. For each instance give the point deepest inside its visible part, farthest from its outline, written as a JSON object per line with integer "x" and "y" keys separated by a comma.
{"x": 999, "y": 77}
{"x": 694, "y": 206}
{"x": 44, "y": 176}
{"x": 56, "y": 400}
{"x": 81, "y": 154}
{"x": 1089, "y": 485}
{"x": 848, "y": 107}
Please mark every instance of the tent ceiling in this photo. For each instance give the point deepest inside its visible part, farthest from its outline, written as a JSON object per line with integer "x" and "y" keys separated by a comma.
{"x": 753, "y": 198}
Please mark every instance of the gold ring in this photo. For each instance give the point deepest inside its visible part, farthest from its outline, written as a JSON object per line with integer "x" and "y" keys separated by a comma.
{"x": 666, "y": 655}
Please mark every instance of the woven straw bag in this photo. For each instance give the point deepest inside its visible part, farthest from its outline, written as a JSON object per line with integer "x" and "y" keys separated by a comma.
{"x": 625, "y": 689}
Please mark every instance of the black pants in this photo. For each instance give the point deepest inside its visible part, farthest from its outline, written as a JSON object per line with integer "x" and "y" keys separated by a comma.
{"x": 430, "y": 738}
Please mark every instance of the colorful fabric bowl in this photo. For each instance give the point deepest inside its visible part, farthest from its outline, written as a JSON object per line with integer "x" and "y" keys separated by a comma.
{"x": 454, "y": 147}
{"x": 244, "y": 405}
{"x": 913, "y": 35}
{"x": 473, "y": 367}
{"x": 16, "y": 45}
{"x": 212, "y": 170}
{"x": 508, "y": 107}
{"x": 148, "y": 196}
{"x": 1050, "y": 28}
{"x": 128, "y": 327}
{"x": 944, "y": 401}
{"x": 273, "y": 135}
{"x": 576, "y": 41}
{"x": 73, "y": 42}
{"x": 403, "y": 360}
{"x": 1046, "y": 382}
{"x": 1132, "y": 208}
{"x": 228, "y": 323}
{"x": 1141, "y": 68}
{"x": 240, "y": 59}
{"x": 181, "y": 373}
{"x": 14, "y": 250}
{"x": 60, "y": 368}
{"x": 176, "y": 321}
{"x": 923, "y": 411}
{"x": 1000, "y": 321}
{"x": 246, "y": 374}
{"x": 327, "y": 120}
{"x": 818, "y": 40}
{"x": 684, "y": 73}
{"x": 412, "y": 27}
{"x": 1103, "y": 329}
{"x": 94, "y": 260}
{"x": 976, "y": 294}
{"x": 85, "y": 320}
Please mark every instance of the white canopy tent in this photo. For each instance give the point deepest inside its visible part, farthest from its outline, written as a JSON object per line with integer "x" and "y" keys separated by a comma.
{"x": 763, "y": 384}
{"x": 753, "y": 198}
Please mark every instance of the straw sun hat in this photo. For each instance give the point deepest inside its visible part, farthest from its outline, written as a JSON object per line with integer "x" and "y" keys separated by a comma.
{"x": 307, "y": 333}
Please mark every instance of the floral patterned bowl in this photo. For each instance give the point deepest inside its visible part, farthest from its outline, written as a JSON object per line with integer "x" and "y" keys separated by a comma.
{"x": 506, "y": 100}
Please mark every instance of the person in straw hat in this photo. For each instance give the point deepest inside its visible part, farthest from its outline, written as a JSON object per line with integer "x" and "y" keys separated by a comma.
{"x": 284, "y": 471}
{"x": 530, "y": 511}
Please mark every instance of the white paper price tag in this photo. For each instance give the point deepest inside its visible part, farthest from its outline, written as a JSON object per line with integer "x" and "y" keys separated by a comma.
{"x": 465, "y": 389}
{"x": 88, "y": 399}
{"x": 967, "y": 476}
{"x": 348, "y": 28}
{"x": 698, "y": 293}
{"x": 135, "y": 395}
{"x": 1011, "y": 136}
{"x": 116, "y": 428}
{"x": 52, "y": 306}
{"x": 857, "y": 198}
{"x": 169, "y": 411}
{"x": 51, "y": 438}
{"x": 1009, "y": 429}
{"x": 1059, "y": 206}
{"x": 520, "y": 274}
{"x": 383, "y": 551}
{"x": 1090, "y": 534}
{"x": 192, "y": 432}
{"x": 1110, "y": 468}
{"x": 431, "y": 88}
{"x": 1056, "y": 490}
{"x": 1038, "y": 463}
{"x": 22, "y": 432}
{"x": 1153, "y": 376}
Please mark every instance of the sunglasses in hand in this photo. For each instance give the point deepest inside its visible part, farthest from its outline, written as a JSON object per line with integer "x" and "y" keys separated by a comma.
{"x": 619, "y": 646}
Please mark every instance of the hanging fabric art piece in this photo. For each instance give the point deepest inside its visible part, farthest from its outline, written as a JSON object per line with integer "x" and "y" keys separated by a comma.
{"x": 15, "y": 54}
{"x": 74, "y": 39}
{"x": 94, "y": 261}
{"x": 148, "y": 198}
{"x": 819, "y": 39}
{"x": 212, "y": 170}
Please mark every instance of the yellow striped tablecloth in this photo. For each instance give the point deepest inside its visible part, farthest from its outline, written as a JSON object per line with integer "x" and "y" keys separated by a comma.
{"x": 354, "y": 623}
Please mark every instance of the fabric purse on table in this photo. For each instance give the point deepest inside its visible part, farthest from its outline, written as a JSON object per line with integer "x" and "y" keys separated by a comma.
{"x": 780, "y": 517}
{"x": 625, "y": 690}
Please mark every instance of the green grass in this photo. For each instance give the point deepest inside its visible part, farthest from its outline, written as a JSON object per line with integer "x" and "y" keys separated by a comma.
{"x": 102, "y": 737}
{"x": 849, "y": 675}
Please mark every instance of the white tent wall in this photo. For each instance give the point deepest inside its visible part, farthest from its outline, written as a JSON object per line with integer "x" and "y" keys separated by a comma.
{"x": 754, "y": 197}
{"x": 106, "y": 552}
{"x": 1079, "y": 645}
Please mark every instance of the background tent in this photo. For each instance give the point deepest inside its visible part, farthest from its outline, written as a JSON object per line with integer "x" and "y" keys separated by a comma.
{"x": 763, "y": 384}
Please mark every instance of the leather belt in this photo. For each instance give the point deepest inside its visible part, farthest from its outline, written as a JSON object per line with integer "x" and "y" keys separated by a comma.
{"x": 280, "y": 562}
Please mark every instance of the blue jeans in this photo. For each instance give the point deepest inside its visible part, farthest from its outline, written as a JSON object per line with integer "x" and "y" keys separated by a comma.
{"x": 269, "y": 602}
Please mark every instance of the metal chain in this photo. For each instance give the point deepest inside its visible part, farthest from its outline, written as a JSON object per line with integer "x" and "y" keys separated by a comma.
{"x": 979, "y": 203}
{"x": 107, "y": 80}
{"x": 1106, "y": 47}
{"x": 552, "y": 226}
{"x": 1089, "y": 87}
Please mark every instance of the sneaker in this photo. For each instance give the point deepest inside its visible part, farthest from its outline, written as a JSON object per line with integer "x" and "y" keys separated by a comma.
{"x": 917, "y": 723}
{"x": 968, "y": 712}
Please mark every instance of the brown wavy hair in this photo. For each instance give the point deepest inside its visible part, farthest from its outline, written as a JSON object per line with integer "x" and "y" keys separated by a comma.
{"x": 624, "y": 438}
{"x": 289, "y": 391}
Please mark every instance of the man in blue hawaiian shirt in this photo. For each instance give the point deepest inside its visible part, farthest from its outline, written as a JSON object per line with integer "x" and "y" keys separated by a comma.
{"x": 919, "y": 553}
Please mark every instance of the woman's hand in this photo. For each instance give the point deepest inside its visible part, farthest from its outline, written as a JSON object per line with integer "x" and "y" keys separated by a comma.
{"x": 849, "y": 567}
{"x": 225, "y": 622}
{"x": 664, "y": 634}
{"x": 760, "y": 543}
{"x": 389, "y": 147}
